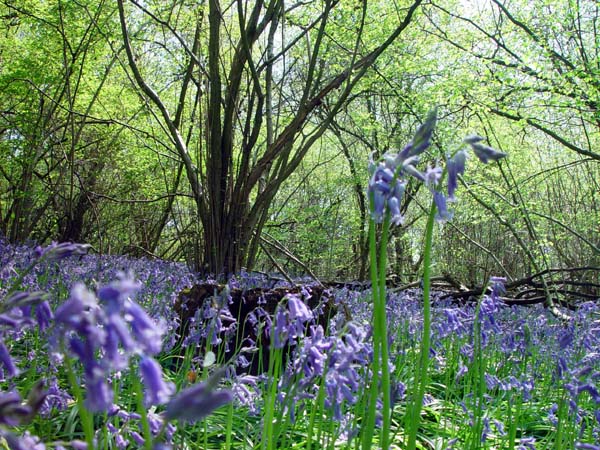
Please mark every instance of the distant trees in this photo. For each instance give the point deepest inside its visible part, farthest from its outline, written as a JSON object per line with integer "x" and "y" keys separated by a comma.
{"x": 51, "y": 143}
{"x": 231, "y": 134}
{"x": 239, "y": 113}
{"x": 528, "y": 75}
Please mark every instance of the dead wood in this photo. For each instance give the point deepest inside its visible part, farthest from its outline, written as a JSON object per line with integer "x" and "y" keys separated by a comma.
{"x": 243, "y": 306}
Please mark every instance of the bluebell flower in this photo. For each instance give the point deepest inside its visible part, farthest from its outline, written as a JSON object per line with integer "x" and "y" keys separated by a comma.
{"x": 433, "y": 175}
{"x": 485, "y": 153}
{"x": 394, "y": 206}
{"x": 7, "y": 363}
{"x": 43, "y": 315}
{"x": 584, "y": 446}
{"x": 56, "y": 398}
{"x": 280, "y": 330}
{"x": 137, "y": 437}
{"x": 499, "y": 427}
{"x": 526, "y": 443}
{"x": 442, "y": 214}
{"x": 422, "y": 138}
{"x": 120, "y": 440}
{"x": 298, "y": 309}
{"x": 157, "y": 390}
{"x": 99, "y": 393}
{"x": 12, "y": 410}
{"x": 104, "y": 332}
{"x": 20, "y": 299}
{"x": 56, "y": 251}
{"x": 198, "y": 401}
{"x": 394, "y": 168}
{"x": 455, "y": 167}
{"x": 25, "y": 442}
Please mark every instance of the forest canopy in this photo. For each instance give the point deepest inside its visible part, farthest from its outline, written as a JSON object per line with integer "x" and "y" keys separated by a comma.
{"x": 234, "y": 135}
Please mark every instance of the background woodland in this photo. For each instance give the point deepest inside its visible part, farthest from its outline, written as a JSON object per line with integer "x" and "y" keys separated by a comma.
{"x": 237, "y": 134}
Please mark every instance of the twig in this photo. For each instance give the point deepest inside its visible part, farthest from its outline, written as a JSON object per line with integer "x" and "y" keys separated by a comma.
{"x": 276, "y": 264}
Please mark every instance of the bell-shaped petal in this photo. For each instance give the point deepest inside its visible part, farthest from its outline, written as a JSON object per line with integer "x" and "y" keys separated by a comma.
{"x": 157, "y": 390}
{"x": 394, "y": 206}
{"x": 298, "y": 309}
{"x": 472, "y": 139}
{"x": 443, "y": 214}
{"x": 455, "y": 167}
{"x": 422, "y": 138}
{"x": 198, "y": 401}
{"x": 485, "y": 153}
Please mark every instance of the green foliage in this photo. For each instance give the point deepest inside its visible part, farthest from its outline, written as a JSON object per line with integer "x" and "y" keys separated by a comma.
{"x": 84, "y": 157}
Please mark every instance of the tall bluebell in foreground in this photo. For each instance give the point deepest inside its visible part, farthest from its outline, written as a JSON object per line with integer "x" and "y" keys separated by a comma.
{"x": 388, "y": 178}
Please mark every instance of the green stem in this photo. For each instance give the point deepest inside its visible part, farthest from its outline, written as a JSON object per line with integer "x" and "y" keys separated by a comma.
{"x": 422, "y": 379}
{"x": 369, "y": 424}
{"x": 139, "y": 394}
{"x": 479, "y": 374}
{"x": 229, "y": 427}
{"x": 86, "y": 419}
{"x": 273, "y": 373}
{"x": 381, "y": 330}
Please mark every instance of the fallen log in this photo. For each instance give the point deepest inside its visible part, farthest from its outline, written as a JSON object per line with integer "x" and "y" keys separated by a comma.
{"x": 244, "y": 318}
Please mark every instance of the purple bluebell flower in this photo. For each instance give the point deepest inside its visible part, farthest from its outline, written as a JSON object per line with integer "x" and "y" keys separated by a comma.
{"x": 485, "y": 153}
{"x": 43, "y": 315}
{"x": 526, "y": 443}
{"x": 99, "y": 393}
{"x": 410, "y": 169}
{"x": 433, "y": 175}
{"x": 21, "y": 299}
{"x": 280, "y": 330}
{"x": 157, "y": 390}
{"x": 442, "y": 214}
{"x": 422, "y": 138}
{"x": 198, "y": 401}
{"x": 104, "y": 332}
{"x": 56, "y": 399}
{"x": 25, "y": 442}
{"x": 487, "y": 429}
{"x": 298, "y": 309}
{"x": 120, "y": 440}
{"x": 472, "y": 139}
{"x": 394, "y": 206}
{"x": 78, "y": 311}
{"x": 161, "y": 446}
{"x": 56, "y": 251}
{"x": 499, "y": 427}
{"x": 7, "y": 362}
{"x": 455, "y": 167}
{"x": 586, "y": 446}
{"x": 137, "y": 437}
{"x": 12, "y": 410}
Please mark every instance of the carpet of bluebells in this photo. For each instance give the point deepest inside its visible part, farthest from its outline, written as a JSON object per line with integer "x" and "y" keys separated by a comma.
{"x": 90, "y": 357}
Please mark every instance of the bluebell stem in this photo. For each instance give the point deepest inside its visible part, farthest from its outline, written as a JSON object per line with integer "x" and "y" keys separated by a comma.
{"x": 385, "y": 207}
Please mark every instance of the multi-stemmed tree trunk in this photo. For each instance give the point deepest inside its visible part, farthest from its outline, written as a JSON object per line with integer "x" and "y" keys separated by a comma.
{"x": 259, "y": 71}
